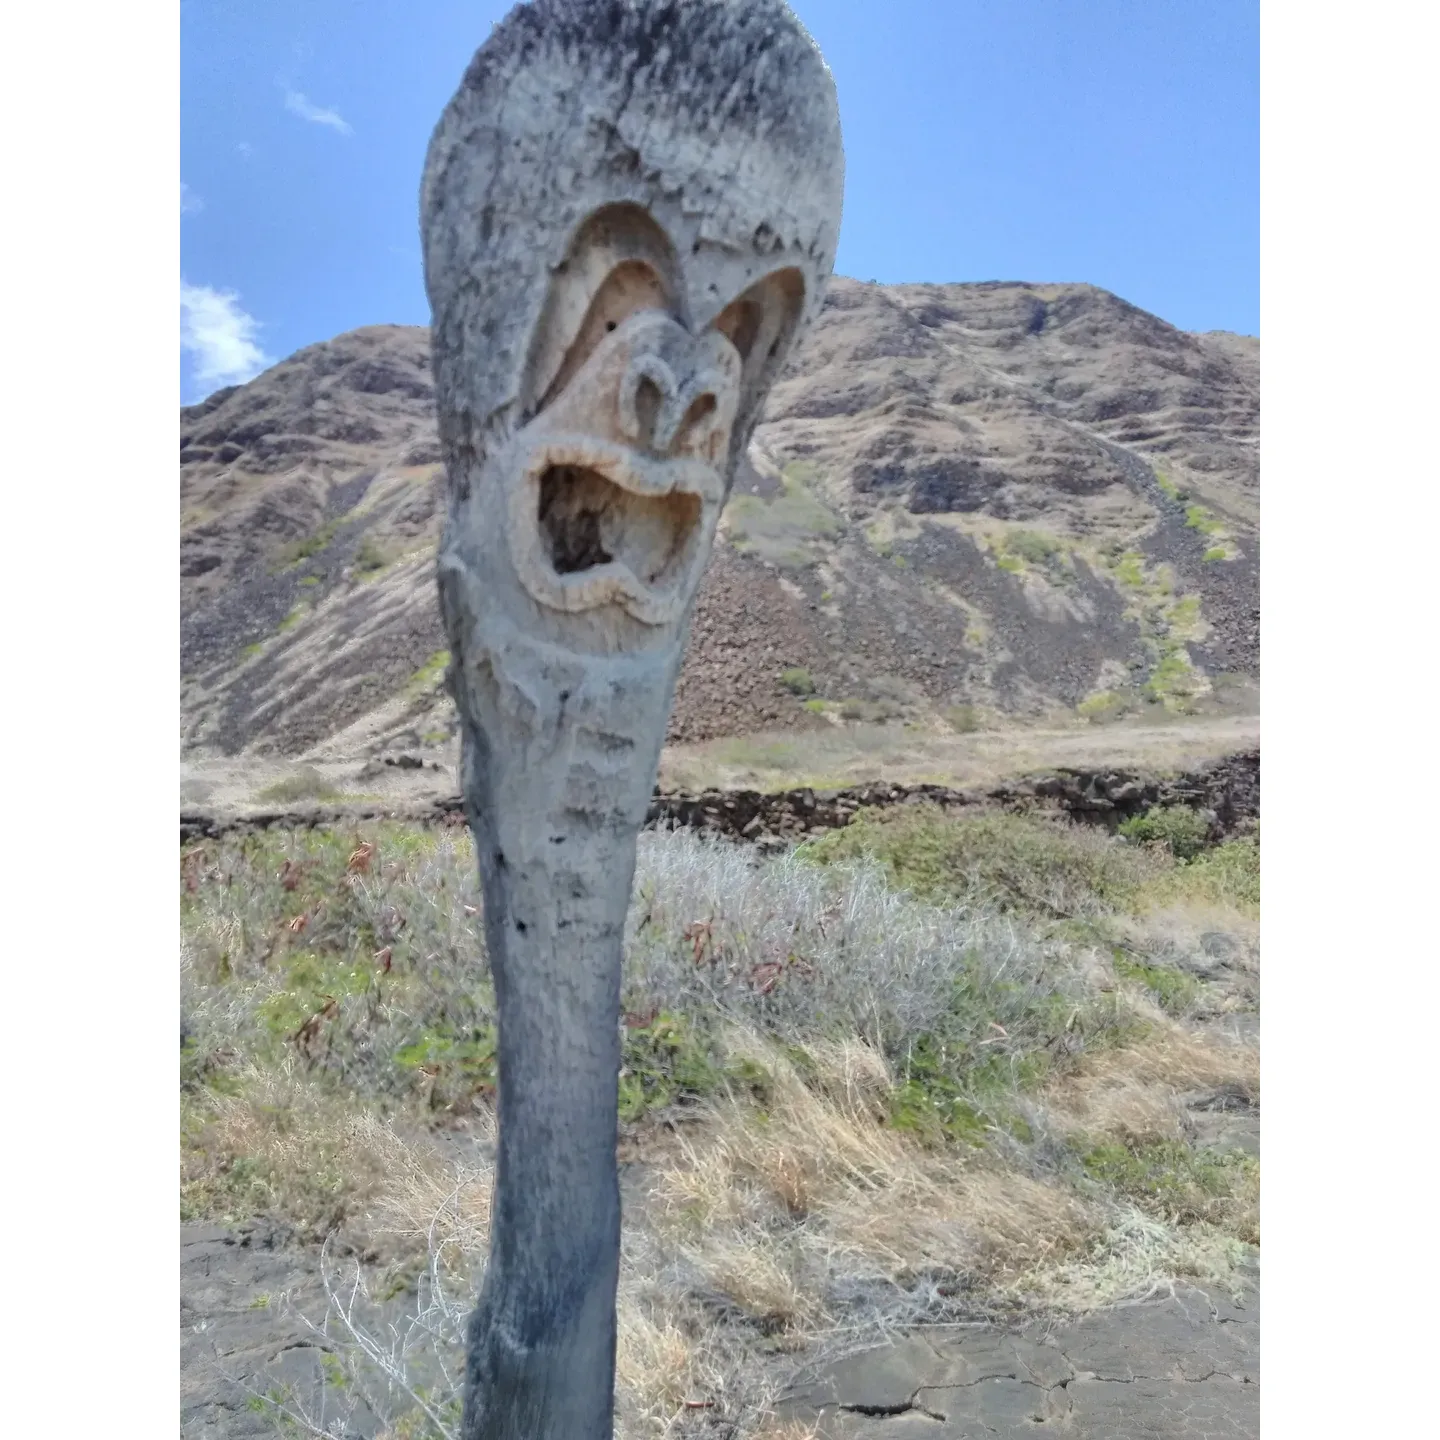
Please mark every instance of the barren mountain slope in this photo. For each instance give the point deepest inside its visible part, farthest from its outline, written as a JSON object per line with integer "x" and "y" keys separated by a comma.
{"x": 1017, "y": 498}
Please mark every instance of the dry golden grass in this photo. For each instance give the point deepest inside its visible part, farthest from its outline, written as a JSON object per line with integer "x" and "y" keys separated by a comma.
{"x": 280, "y": 1146}
{"x": 840, "y": 755}
{"x": 427, "y": 1202}
{"x": 1131, "y": 1092}
{"x": 656, "y": 1369}
{"x": 1170, "y": 1058}
{"x": 771, "y": 1207}
{"x": 1183, "y": 922}
{"x": 1136, "y": 1255}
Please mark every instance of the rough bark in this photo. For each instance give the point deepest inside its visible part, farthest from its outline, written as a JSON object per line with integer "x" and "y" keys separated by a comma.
{"x": 629, "y": 213}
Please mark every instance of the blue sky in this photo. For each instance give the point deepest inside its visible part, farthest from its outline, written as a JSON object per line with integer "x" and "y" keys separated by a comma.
{"x": 1109, "y": 141}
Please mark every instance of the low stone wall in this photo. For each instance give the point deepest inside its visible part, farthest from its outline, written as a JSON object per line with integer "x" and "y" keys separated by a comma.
{"x": 1228, "y": 790}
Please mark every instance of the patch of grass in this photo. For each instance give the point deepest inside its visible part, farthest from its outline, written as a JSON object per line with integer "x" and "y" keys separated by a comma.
{"x": 1013, "y": 863}
{"x": 1174, "y": 681}
{"x": 797, "y": 680}
{"x": 1012, "y": 563}
{"x": 1185, "y": 613}
{"x": 435, "y": 737}
{"x": 302, "y": 549}
{"x": 1166, "y": 622}
{"x": 453, "y": 1068}
{"x": 278, "y": 1147}
{"x": 1198, "y": 517}
{"x": 1181, "y": 830}
{"x": 665, "y": 1059}
{"x": 1102, "y": 706}
{"x": 1183, "y": 1184}
{"x": 304, "y": 783}
{"x": 762, "y": 752}
{"x": 960, "y": 1034}
{"x": 1216, "y": 552}
{"x": 1173, "y": 989}
{"x": 291, "y": 620}
{"x": 930, "y": 1105}
{"x": 309, "y": 982}
{"x": 1168, "y": 486}
{"x": 251, "y": 651}
{"x": 430, "y": 676}
{"x": 1224, "y": 875}
{"x": 369, "y": 558}
{"x": 870, "y": 712}
{"x": 815, "y": 707}
{"x": 962, "y": 719}
{"x": 310, "y": 580}
{"x": 784, "y": 529}
{"x": 950, "y": 1090}
{"x": 1130, "y": 569}
{"x": 1031, "y": 546}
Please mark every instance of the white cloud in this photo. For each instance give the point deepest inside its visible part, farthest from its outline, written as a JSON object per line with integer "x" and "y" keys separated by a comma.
{"x": 190, "y": 202}
{"x": 245, "y": 149}
{"x": 297, "y": 104}
{"x": 221, "y": 337}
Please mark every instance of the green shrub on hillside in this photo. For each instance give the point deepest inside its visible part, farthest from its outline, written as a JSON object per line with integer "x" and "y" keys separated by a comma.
{"x": 963, "y": 719}
{"x": 1102, "y": 706}
{"x": 1180, "y": 829}
{"x": 1130, "y": 569}
{"x": 302, "y": 549}
{"x": 431, "y": 675}
{"x": 1173, "y": 989}
{"x": 1031, "y": 545}
{"x": 305, "y": 783}
{"x": 784, "y": 528}
{"x": 1198, "y": 517}
{"x": 1012, "y": 862}
{"x": 369, "y": 558}
{"x": 1172, "y": 1179}
{"x": 1174, "y": 681}
{"x": 1227, "y": 874}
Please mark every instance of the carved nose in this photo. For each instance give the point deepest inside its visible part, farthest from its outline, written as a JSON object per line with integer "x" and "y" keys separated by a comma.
{"x": 660, "y": 411}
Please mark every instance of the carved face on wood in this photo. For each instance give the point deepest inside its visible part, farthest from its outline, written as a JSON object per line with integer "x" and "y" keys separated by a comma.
{"x": 619, "y": 264}
{"x": 616, "y": 483}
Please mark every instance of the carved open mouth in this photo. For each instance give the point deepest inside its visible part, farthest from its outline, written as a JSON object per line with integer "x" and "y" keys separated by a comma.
{"x": 588, "y": 521}
{"x": 595, "y": 523}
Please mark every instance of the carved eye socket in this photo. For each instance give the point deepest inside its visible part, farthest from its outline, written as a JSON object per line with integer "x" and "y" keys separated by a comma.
{"x": 740, "y": 324}
{"x": 619, "y": 263}
{"x": 629, "y": 288}
{"x": 760, "y": 324}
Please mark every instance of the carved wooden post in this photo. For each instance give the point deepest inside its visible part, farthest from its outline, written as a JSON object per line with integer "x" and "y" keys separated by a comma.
{"x": 630, "y": 211}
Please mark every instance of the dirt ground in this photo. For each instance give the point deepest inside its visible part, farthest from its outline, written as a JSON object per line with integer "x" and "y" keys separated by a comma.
{"x": 838, "y": 756}
{"x": 1181, "y": 1364}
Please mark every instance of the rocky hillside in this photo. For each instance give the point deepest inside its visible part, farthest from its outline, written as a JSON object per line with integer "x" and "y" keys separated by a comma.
{"x": 964, "y": 500}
